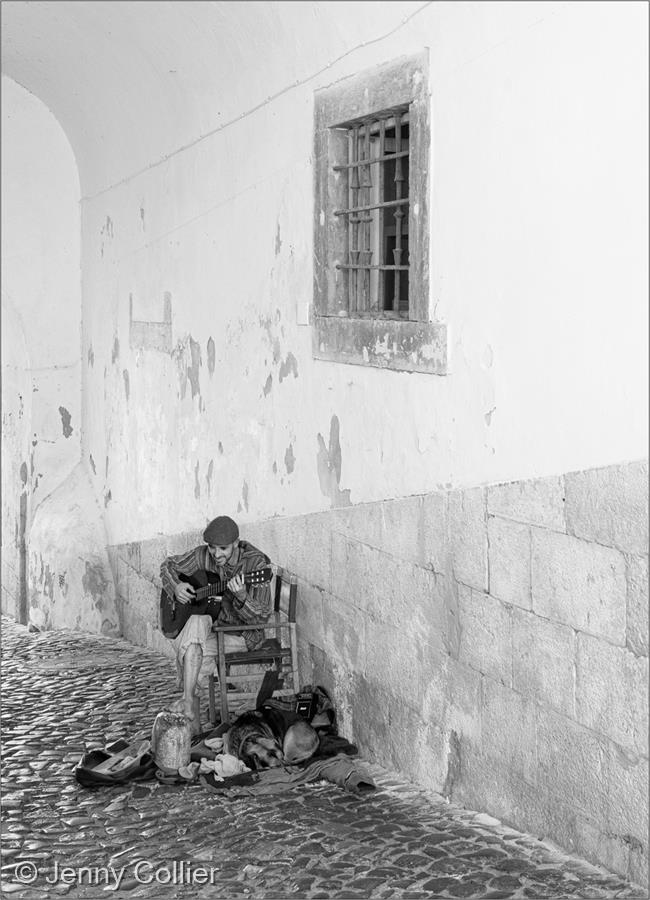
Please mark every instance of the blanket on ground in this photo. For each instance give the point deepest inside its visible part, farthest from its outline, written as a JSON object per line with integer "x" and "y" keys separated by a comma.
{"x": 340, "y": 769}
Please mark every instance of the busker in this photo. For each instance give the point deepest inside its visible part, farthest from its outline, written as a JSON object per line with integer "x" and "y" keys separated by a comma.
{"x": 225, "y": 555}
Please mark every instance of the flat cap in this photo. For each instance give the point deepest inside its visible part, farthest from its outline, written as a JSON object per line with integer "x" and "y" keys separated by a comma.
{"x": 221, "y": 531}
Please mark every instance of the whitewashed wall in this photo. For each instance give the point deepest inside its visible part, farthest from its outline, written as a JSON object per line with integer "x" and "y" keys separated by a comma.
{"x": 538, "y": 241}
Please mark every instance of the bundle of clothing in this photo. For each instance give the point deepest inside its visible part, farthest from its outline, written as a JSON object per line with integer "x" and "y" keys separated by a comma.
{"x": 270, "y": 749}
{"x": 282, "y": 749}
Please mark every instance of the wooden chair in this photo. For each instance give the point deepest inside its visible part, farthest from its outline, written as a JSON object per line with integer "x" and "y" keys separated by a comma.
{"x": 280, "y": 625}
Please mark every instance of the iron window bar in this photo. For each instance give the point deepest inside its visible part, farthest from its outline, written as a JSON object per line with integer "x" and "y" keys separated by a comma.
{"x": 342, "y": 167}
{"x": 368, "y": 231}
{"x": 383, "y": 268}
{"x": 353, "y": 209}
{"x": 388, "y": 116}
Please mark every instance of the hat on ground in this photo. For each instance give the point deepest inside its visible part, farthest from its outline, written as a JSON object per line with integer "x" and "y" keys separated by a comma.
{"x": 300, "y": 742}
{"x": 221, "y": 531}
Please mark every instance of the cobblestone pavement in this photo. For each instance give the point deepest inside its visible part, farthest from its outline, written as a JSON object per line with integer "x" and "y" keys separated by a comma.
{"x": 64, "y": 691}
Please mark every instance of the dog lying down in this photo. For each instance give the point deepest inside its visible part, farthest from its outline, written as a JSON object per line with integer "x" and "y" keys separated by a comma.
{"x": 268, "y": 738}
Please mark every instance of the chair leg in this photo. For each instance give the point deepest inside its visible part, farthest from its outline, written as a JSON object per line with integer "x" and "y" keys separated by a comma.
{"x": 213, "y": 708}
{"x": 294, "y": 658}
{"x": 223, "y": 680}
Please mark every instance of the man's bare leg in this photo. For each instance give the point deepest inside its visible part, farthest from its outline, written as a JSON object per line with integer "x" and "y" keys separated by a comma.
{"x": 189, "y": 704}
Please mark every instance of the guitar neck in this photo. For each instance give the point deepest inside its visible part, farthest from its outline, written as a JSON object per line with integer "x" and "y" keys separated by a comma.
{"x": 258, "y": 577}
{"x": 211, "y": 590}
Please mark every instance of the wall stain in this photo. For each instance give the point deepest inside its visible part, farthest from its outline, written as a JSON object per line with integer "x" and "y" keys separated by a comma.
{"x": 188, "y": 372}
{"x": 24, "y": 473}
{"x": 107, "y": 229}
{"x": 127, "y": 383}
{"x": 244, "y": 494}
{"x": 107, "y": 498}
{"x": 278, "y": 242}
{"x": 289, "y": 365}
{"x": 65, "y": 421}
{"x": 328, "y": 463}
{"x": 268, "y": 386}
{"x": 289, "y": 459}
{"x": 48, "y": 582}
{"x": 208, "y": 477}
{"x": 488, "y": 416}
{"x": 220, "y": 448}
{"x": 142, "y": 217}
{"x": 167, "y": 307}
{"x": 453, "y": 765}
{"x": 211, "y": 356}
{"x": 94, "y": 583}
{"x": 197, "y": 486}
{"x": 275, "y": 468}
{"x": 91, "y": 356}
{"x": 193, "y": 370}
{"x": 92, "y": 463}
{"x": 115, "y": 355}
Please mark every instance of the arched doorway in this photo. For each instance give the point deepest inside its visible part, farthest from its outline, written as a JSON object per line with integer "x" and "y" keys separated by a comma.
{"x": 41, "y": 324}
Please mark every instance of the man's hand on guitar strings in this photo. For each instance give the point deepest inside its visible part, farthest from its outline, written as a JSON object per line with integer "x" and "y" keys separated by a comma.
{"x": 184, "y": 593}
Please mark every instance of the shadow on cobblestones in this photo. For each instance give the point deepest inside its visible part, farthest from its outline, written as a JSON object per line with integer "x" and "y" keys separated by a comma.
{"x": 64, "y": 692}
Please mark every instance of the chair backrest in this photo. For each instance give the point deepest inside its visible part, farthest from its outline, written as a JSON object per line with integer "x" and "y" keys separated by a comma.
{"x": 285, "y": 591}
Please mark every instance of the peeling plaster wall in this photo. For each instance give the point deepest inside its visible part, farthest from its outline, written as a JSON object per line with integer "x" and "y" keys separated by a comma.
{"x": 70, "y": 579}
{"x": 41, "y": 329}
{"x": 199, "y": 270}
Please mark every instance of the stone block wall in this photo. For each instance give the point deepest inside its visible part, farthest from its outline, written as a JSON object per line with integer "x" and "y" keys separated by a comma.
{"x": 492, "y": 643}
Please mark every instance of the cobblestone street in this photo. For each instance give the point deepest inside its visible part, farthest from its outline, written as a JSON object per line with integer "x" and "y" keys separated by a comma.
{"x": 63, "y": 692}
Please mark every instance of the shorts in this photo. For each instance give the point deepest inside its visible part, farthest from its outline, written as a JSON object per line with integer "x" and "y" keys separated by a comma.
{"x": 198, "y": 630}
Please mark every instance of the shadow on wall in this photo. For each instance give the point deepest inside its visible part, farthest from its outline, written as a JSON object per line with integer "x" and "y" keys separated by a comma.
{"x": 70, "y": 579}
{"x": 16, "y": 485}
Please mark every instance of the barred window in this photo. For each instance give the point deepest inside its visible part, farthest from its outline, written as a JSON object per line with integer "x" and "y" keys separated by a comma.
{"x": 371, "y": 221}
{"x": 377, "y": 216}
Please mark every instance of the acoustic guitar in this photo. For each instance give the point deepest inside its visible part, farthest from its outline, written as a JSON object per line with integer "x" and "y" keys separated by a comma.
{"x": 207, "y": 601}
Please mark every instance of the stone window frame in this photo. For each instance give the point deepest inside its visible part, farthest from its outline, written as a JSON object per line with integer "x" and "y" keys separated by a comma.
{"x": 415, "y": 344}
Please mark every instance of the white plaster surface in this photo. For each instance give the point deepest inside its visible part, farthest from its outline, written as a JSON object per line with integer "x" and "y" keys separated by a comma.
{"x": 70, "y": 579}
{"x": 181, "y": 197}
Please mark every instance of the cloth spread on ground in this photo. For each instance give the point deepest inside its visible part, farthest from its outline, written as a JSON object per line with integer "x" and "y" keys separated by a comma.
{"x": 222, "y": 766}
{"x": 340, "y": 769}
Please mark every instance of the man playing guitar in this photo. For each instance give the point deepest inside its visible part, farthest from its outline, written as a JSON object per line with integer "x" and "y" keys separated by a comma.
{"x": 226, "y": 559}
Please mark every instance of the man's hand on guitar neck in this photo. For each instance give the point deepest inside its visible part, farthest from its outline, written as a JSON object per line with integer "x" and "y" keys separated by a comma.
{"x": 184, "y": 592}
{"x": 237, "y": 587}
